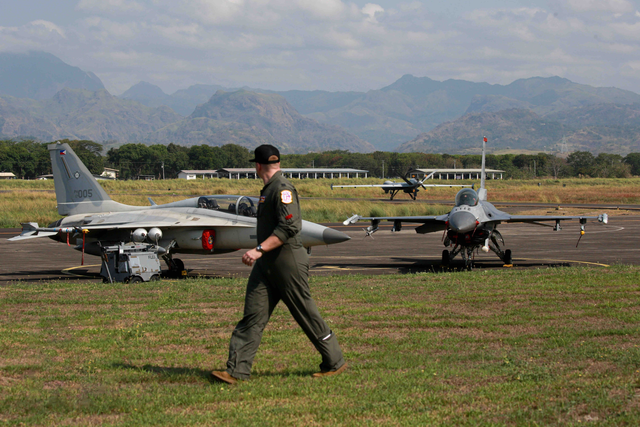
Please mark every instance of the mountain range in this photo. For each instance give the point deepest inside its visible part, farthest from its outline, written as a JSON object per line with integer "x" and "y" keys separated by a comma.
{"x": 54, "y": 100}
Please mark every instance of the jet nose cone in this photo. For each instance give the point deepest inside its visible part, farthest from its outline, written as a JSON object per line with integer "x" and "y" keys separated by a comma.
{"x": 462, "y": 222}
{"x": 330, "y": 236}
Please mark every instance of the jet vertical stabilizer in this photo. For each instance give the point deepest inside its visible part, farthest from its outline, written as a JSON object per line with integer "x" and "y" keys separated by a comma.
{"x": 77, "y": 191}
{"x": 482, "y": 193}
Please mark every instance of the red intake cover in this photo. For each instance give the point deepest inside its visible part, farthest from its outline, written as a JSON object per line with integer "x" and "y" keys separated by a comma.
{"x": 208, "y": 239}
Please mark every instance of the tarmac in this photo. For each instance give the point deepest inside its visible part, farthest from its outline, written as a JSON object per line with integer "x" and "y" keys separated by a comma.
{"x": 404, "y": 252}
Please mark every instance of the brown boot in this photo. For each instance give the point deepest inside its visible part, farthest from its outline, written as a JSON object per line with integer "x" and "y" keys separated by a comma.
{"x": 224, "y": 377}
{"x": 329, "y": 373}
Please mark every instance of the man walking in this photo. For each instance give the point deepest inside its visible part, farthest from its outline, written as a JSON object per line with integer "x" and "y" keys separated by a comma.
{"x": 280, "y": 272}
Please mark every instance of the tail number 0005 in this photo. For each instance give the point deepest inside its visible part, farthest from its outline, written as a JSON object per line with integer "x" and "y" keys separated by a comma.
{"x": 82, "y": 194}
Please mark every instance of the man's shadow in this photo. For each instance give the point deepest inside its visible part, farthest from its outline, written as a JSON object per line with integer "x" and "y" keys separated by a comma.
{"x": 204, "y": 374}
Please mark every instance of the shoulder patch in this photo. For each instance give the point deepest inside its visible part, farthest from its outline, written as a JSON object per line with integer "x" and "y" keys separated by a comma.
{"x": 286, "y": 197}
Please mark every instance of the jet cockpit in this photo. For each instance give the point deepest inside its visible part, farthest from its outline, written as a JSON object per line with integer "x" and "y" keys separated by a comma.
{"x": 467, "y": 197}
{"x": 237, "y": 205}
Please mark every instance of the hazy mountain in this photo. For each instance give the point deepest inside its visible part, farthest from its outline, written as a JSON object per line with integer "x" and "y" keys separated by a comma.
{"x": 413, "y": 105}
{"x": 600, "y": 115}
{"x": 183, "y": 101}
{"x": 250, "y": 119}
{"x": 82, "y": 114}
{"x": 41, "y": 96}
{"x": 16, "y": 120}
{"x": 146, "y": 94}
{"x": 584, "y": 129}
{"x": 387, "y": 117}
{"x": 40, "y": 75}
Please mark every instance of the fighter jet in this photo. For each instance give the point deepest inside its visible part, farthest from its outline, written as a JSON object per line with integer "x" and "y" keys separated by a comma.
{"x": 199, "y": 225}
{"x": 410, "y": 186}
{"x": 472, "y": 224}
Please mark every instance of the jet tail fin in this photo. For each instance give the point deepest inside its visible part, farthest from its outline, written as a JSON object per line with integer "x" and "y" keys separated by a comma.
{"x": 482, "y": 193}
{"x": 77, "y": 191}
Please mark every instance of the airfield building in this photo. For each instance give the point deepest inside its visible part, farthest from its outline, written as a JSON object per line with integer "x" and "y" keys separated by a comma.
{"x": 456, "y": 173}
{"x": 311, "y": 173}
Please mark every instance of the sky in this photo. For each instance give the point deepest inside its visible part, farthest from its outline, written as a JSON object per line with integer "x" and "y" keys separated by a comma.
{"x": 332, "y": 45}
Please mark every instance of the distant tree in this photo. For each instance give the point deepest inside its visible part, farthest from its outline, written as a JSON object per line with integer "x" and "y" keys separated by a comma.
{"x": 177, "y": 160}
{"x": 557, "y": 167}
{"x": 236, "y": 156}
{"x": 581, "y": 162}
{"x": 26, "y": 159}
{"x": 633, "y": 160}
{"x": 206, "y": 157}
{"x": 610, "y": 166}
{"x": 131, "y": 159}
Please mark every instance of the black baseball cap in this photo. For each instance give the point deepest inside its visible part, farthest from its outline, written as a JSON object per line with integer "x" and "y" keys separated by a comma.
{"x": 266, "y": 154}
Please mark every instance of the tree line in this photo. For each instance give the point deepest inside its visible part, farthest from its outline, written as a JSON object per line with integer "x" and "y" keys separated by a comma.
{"x": 28, "y": 159}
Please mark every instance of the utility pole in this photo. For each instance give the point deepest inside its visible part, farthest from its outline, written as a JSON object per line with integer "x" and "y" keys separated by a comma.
{"x": 163, "y": 169}
{"x": 383, "y": 169}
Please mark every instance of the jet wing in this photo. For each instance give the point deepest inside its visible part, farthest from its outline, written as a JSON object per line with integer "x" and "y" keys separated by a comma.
{"x": 430, "y": 224}
{"x": 396, "y": 185}
{"x": 604, "y": 218}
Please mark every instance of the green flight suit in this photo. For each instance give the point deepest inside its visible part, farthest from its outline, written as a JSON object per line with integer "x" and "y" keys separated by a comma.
{"x": 280, "y": 274}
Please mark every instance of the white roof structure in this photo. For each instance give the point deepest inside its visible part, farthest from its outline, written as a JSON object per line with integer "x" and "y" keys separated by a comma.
{"x": 298, "y": 172}
{"x": 458, "y": 173}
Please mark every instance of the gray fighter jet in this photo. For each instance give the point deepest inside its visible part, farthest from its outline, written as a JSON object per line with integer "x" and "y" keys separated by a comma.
{"x": 199, "y": 225}
{"x": 472, "y": 224}
{"x": 410, "y": 186}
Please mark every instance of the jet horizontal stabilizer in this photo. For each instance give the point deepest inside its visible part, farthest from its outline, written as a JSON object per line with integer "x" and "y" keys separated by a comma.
{"x": 31, "y": 230}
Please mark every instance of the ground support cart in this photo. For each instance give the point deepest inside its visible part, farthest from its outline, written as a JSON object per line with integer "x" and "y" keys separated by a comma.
{"x": 130, "y": 262}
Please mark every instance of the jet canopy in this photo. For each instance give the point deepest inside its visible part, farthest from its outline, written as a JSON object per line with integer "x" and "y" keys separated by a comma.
{"x": 467, "y": 197}
{"x": 237, "y": 205}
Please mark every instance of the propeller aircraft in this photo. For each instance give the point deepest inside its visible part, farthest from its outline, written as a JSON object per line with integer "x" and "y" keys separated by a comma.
{"x": 199, "y": 225}
{"x": 410, "y": 186}
{"x": 472, "y": 224}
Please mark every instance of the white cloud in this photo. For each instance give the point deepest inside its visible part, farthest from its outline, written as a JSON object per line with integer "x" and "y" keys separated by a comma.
{"x": 109, "y": 6}
{"x": 336, "y": 44}
{"x": 371, "y": 10}
{"x": 49, "y": 26}
{"x": 323, "y": 9}
{"x": 611, "y": 6}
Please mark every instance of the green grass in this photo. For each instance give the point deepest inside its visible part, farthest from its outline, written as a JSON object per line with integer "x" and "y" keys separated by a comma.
{"x": 510, "y": 347}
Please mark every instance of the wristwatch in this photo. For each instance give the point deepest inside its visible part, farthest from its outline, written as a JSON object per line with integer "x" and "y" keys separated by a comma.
{"x": 259, "y": 249}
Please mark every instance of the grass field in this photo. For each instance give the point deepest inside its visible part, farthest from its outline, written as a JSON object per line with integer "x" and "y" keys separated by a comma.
{"x": 34, "y": 201}
{"x": 535, "y": 347}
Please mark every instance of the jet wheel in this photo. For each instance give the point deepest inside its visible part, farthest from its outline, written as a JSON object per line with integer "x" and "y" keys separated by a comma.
{"x": 507, "y": 257}
{"x": 446, "y": 258}
{"x": 468, "y": 264}
{"x": 178, "y": 264}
